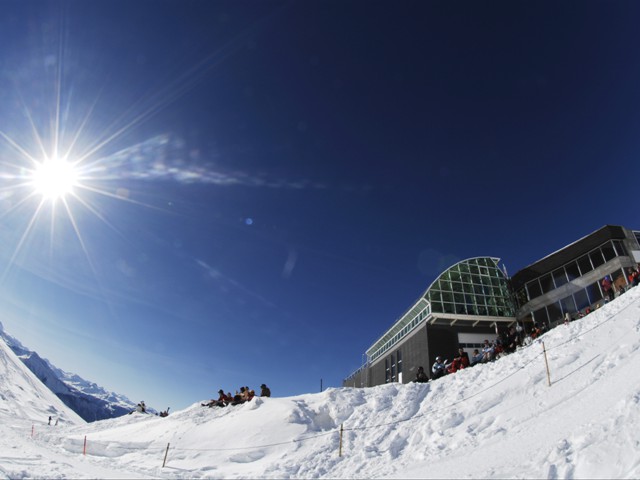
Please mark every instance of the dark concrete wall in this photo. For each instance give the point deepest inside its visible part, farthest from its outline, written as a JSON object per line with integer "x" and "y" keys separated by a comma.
{"x": 418, "y": 350}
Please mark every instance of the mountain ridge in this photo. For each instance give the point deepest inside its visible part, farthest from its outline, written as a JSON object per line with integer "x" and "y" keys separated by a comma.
{"x": 90, "y": 401}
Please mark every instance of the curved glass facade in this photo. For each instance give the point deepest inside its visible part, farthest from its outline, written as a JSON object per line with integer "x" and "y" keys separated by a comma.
{"x": 475, "y": 286}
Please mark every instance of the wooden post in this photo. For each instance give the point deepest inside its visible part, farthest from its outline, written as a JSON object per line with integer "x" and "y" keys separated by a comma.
{"x": 546, "y": 362}
{"x": 164, "y": 462}
{"x": 84, "y": 449}
{"x": 340, "y": 448}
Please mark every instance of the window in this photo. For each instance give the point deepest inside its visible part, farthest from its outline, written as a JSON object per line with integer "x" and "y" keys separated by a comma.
{"x": 521, "y": 297}
{"x": 547, "y": 283}
{"x": 620, "y": 250}
{"x": 608, "y": 251}
{"x": 559, "y": 277}
{"x": 393, "y": 369}
{"x": 555, "y": 312}
{"x": 534, "y": 289}
{"x": 399, "y": 357}
{"x": 594, "y": 292}
{"x": 568, "y": 304}
{"x": 585, "y": 265}
{"x": 572, "y": 270}
{"x": 541, "y": 316}
{"x": 387, "y": 376}
{"x": 582, "y": 299}
{"x": 596, "y": 258}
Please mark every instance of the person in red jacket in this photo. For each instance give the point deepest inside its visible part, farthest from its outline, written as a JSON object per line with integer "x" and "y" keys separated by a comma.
{"x": 464, "y": 358}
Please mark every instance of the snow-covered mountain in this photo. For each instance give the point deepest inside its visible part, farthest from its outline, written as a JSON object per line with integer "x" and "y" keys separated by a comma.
{"x": 24, "y": 397}
{"x": 87, "y": 399}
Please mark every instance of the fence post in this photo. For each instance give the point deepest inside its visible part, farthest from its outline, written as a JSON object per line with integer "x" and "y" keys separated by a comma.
{"x": 340, "y": 448}
{"x": 84, "y": 449}
{"x": 546, "y": 362}
{"x": 164, "y": 462}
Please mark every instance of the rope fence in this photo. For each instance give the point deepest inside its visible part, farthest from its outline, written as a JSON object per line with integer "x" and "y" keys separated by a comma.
{"x": 342, "y": 428}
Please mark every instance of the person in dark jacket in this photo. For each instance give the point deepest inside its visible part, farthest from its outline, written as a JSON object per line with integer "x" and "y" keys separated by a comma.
{"x": 421, "y": 376}
{"x": 264, "y": 391}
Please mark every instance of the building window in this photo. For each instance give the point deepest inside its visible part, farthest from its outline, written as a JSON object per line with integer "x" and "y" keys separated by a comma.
{"x": 585, "y": 265}
{"x": 582, "y": 299}
{"x": 387, "y": 375}
{"x": 541, "y": 316}
{"x": 546, "y": 282}
{"x": 594, "y": 292}
{"x": 572, "y": 270}
{"x": 620, "y": 250}
{"x": 568, "y": 304}
{"x": 608, "y": 251}
{"x": 393, "y": 369}
{"x": 555, "y": 312}
{"x": 559, "y": 277}
{"x": 596, "y": 258}
{"x": 534, "y": 289}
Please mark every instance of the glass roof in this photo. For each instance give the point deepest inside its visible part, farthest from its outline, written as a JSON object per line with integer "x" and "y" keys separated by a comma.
{"x": 475, "y": 286}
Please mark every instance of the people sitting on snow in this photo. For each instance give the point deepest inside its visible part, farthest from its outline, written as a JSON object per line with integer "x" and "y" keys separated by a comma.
{"x": 165, "y": 413}
{"x": 141, "y": 407}
{"x": 476, "y": 357}
{"x": 439, "y": 368}
{"x": 464, "y": 358}
{"x": 222, "y": 401}
{"x": 512, "y": 340}
{"x": 245, "y": 395}
{"x": 421, "y": 376}
{"x": 455, "y": 365}
{"x": 488, "y": 352}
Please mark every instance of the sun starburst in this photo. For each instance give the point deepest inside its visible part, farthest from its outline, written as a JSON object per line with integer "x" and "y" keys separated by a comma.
{"x": 55, "y": 178}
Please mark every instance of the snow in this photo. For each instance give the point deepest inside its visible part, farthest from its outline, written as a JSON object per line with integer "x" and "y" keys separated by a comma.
{"x": 499, "y": 420}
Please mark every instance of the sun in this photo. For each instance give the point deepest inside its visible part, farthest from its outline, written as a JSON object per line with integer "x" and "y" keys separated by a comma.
{"x": 54, "y": 178}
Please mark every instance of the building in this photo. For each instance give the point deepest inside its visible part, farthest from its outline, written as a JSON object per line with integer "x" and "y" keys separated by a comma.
{"x": 471, "y": 300}
{"x": 462, "y": 307}
{"x": 569, "y": 280}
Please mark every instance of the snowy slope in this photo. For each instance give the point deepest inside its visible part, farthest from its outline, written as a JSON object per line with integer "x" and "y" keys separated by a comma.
{"x": 87, "y": 399}
{"x": 500, "y": 420}
{"x": 24, "y": 397}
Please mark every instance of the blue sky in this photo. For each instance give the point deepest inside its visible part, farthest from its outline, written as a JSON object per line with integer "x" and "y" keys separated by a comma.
{"x": 264, "y": 187}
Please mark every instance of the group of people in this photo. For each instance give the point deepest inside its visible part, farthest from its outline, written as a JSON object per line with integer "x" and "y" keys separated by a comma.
{"x": 140, "y": 408}
{"x": 442, "y": 367}
{"x": 614, "y": 289}
{"x": 244, "y": 395}
{"x": 490, "y": 351}
{"x": 509, "y": 340}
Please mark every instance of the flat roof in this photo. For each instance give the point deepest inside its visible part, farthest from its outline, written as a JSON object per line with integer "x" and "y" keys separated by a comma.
{"x": 567, "y": 254}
